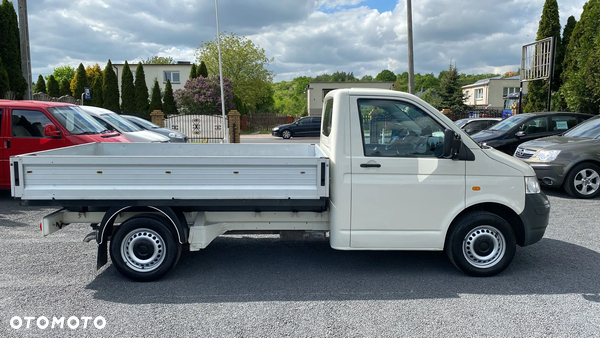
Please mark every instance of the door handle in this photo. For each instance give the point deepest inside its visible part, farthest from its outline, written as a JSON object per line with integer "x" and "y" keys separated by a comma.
{"x": 370, "y": 165}
{"x": 7, "y": 143}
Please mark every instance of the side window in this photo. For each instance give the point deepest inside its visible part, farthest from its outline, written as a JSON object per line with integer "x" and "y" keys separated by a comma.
{"x": 28, "y": 123}
{"x": 327, "y": 116}
{"x": 535, "y": 126}
{"x": 563, "y": 122}
{"x": 398, "y": 129}
{"x": 304, "y": 120}
{"x": 475, "y": 126}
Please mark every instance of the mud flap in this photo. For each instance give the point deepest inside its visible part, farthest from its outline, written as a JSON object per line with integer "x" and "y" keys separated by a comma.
{"x": 102, "y": 255}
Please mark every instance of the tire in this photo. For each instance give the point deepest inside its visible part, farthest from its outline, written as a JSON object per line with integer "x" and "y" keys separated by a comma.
{"x": 583, "y": 181}
{"x": 144, "y": 248}
{"x": 481, "y": 244}
{"x": 286, "y": 134}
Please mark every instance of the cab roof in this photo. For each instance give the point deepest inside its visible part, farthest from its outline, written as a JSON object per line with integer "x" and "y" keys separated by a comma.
{"x": 33, "y": 104}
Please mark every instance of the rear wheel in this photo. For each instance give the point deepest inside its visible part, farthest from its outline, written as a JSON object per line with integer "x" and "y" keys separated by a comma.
{"x": 286, "y": 134}
{"x": 144, "y": 248}
{"x": 481, "y": 244}
{"x": 583, "y": 181}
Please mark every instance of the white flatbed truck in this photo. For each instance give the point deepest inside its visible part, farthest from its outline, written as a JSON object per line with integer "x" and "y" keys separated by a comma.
{"x": 390, "y": 173}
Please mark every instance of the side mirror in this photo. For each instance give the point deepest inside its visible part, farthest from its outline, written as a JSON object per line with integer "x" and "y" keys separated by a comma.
{"x": 50, "y": 131}
{"x": 520, "y": 133}
{"x": 452, "y": 144}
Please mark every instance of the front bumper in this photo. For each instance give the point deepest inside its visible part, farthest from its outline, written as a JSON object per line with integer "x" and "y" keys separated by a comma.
{"x": 535, "y": 217}
{"x": 549, "y": 174}
{"x": 276, "y": 133}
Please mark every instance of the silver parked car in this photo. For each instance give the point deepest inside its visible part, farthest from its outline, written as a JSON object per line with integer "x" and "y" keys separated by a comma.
{"x": 476, "y": 124}
{"x": 570, "y": 160}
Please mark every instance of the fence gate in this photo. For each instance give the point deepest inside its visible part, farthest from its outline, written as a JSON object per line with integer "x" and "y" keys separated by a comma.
{"x": 198, "y": 128}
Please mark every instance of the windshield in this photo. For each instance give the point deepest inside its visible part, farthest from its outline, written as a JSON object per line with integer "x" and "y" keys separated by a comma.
{"x": 588, "y": 129}
{"x": 461, "y": 123}
{"x": 146, "y": 124}
{"x": 509, "y": 123}
{"x": 76, "y": 121}
{"x": 509, "y": 102}
{"x": 120, "y": 123}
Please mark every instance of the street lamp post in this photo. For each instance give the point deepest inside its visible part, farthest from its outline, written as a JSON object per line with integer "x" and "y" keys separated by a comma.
{"x": 225, "y": 139}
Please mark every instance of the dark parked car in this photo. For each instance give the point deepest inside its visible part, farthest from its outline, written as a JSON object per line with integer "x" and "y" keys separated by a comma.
{"x": 569, "y": 160}
{"x": 174, "y": 135}
{"x": 305, "y": 126}
{"x": 475, "y": 125}
{"x": 507, "y": 134}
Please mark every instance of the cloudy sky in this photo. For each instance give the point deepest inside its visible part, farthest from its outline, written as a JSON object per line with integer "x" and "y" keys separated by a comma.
{"x": 305, "y": 37}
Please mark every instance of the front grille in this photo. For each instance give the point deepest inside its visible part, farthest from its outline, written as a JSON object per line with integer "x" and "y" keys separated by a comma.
{"x": 523, "y": 153}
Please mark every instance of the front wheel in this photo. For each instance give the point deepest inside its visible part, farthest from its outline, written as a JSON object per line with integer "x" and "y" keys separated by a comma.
{"x": 286, "y": 134}
{"x": 583, "y": 181}
{"x": 144, "y": 248}
{"x": 481, "y": 244}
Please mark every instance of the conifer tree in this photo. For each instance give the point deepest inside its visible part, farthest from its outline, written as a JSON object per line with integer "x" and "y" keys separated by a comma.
{"x": 169, "y": 106}
{"x": 10, "y": 51}
{"x": 4, "y": 84}
{"x": 98, "y": 92}
{"x": 537, "y": 91}
{"x": 202, "y": 70}
{"x": 40, "y": 85}
{"x": 127, "y": 90}
{"x": 79, "y": 83}
{"x": 193, "y": 74}
{"x": 110, "y": 88}
{"x": 64, "y": 88}
{"x": 141, "y": 90}
{"x": 52, "y": 86}
{"x": 450, "y": 92}
{"x": 155, "y": 101}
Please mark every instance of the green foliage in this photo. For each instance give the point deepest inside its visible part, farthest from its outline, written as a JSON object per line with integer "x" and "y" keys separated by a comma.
{"x": 141, "y": 91}
{"x": 65, "y": 88}
{"x": 159, "y": 60}
{"x": 193, "y": 72}
{"x": 244, "y": 63}
{"x": 290, "y": 98}
{"x": 98, "y": 92}
{"x": 559, "y": 101}
{"x": 202, "y": 95}
{"x": 450, "y": 92}
{"x": 127, "y": 90}
{"x": 156, "y": 100}
{"x": 366, "y": 78}
{"x": 202, "y": 70}
{"x": 40, "y": 85}
{"x": 343, "y": 77}
{"x": 537, "y": 91}
{"x": 53, "y": 87}
{"x": 10, "y": 51}
{"x": 240, "y": 106}
{"x": 169, "y": 106}
{"x": 4, "y": 84}
{"x": 79, "y": 83}
{"x": 110, "y": 88}
{"x": 64, "y": 72}
{"x": 580, "y": 94}
{"x": 385, "y": 75}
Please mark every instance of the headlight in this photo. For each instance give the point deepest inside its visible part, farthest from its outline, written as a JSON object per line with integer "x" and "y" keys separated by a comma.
{"x": 276, "y": 129}
{"x": 547, "y": 155}
{"x": 532, "y": 186}
{"x": 175, "y": 135}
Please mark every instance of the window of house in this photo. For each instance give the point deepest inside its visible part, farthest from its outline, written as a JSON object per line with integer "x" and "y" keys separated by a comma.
{"x": 479, "y": 94}
{"x": 173, "y": 76}
{"x": 467, "y": 94}
{"x": 509, "y": 90}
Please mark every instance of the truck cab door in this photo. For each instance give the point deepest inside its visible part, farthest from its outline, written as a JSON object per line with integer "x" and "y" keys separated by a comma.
{"x": 26, "y": 132}
{"x": 4, "y": 168}
{"x": 404, "y": 196}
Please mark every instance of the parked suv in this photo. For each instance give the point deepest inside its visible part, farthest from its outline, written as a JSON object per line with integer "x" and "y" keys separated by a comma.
{"x": 30, "y": 126}
{"x": 305, "y": 126}
{"x": 507, "y": 134}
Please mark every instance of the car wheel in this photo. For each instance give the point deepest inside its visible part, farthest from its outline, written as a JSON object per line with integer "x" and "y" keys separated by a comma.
{"x": 481, "y": 244}
{"x": 144, "y": 248}
{"x": 583, "y": 181}
{"x": 286, "y": 134}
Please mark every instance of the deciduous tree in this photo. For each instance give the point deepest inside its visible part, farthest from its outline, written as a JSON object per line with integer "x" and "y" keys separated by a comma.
{"x": 202, "y": 95}
{"x": 385, "y": 75}
{"x": 159, "y": 60}
{"x": 64, "y": 72}
{"x": 244, "y": 64}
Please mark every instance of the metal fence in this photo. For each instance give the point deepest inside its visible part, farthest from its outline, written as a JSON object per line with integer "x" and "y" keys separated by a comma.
{"x": 473, "y": 113}
{"x": 198, "y": 128}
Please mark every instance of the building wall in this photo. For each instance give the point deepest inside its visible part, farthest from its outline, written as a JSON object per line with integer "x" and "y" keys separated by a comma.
{"x": 493, "y": 92}
{"x": 316, "y": 91}
{"x": 157, "y": 71}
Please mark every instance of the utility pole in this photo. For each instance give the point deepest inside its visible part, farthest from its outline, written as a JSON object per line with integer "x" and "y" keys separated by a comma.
{"x": 411, "y": 62}
{"x": 25, "y": 54}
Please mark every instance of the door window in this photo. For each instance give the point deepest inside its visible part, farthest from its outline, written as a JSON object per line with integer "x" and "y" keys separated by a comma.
{"x": 398, "y": 129}
{"x": 28, "y": 123}
{"x": 563, "y": 122}
{"x": 535, "y": 126}
{"x": 476, "y": 126}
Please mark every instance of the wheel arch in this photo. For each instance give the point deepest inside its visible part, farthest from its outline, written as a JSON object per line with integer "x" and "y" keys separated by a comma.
{"x": 576, "y": 163}
{"x": 500, "y": 210}
{"x": 175, "y": 217}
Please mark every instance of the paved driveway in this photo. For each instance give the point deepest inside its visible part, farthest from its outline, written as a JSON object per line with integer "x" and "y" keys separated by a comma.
{"x": 259, "y": 286}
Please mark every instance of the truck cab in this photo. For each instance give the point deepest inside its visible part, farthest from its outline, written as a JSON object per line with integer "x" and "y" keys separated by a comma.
{"x": 31, "y": 126}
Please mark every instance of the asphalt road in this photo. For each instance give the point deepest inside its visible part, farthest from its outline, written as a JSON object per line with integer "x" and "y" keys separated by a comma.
{"x": 259, "y": 286}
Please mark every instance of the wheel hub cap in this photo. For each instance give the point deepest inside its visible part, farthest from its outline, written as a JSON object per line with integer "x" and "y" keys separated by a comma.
{"x": 587, "y": 182}
{"x": 143, "y": 250}
{"x": 484, "y": 246}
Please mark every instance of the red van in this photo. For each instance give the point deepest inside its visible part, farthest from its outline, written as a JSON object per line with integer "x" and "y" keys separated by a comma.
{"x": 29, "y": 126}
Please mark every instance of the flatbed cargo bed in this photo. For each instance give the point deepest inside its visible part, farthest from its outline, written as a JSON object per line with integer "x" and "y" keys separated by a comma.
{"x": 213, "y": 177}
